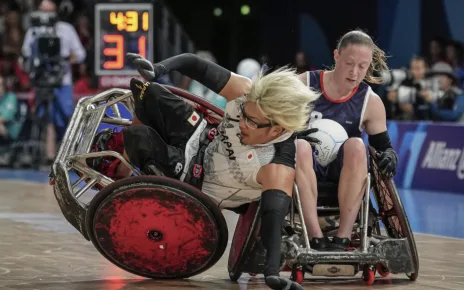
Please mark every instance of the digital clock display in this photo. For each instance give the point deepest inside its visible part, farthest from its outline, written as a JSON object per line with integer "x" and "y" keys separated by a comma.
{"x": 119, "y": 29}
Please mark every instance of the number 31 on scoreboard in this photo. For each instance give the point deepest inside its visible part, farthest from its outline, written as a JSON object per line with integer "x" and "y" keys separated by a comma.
{"x": 118, "y": 51}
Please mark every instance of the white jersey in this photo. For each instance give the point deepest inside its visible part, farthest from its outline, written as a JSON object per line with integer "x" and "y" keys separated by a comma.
{"x": 231, "y": 167}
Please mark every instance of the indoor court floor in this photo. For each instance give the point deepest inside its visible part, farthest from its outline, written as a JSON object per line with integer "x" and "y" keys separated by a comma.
{"x": 40, "y": 250}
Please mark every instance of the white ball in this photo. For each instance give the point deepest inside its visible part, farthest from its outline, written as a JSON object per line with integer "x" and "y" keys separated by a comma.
{"x": 332, "y": 135}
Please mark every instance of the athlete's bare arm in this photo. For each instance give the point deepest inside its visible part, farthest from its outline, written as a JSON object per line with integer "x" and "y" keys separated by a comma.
{"x": 375, "y": 119}
{"x": 276, "y": 176}
{"x": 235, "y": 87}
{"x": 304, "y": 77}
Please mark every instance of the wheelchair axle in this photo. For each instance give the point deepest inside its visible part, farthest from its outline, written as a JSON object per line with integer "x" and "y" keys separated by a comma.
{"x": 155, "y": 235}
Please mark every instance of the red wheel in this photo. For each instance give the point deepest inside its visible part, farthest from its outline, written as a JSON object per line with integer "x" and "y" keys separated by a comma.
{"x": 157, "y": 227}
{"x": 382, "y": 271}
{"x": 368, "y": 276}
{"x": 245, "y": 234}
{"x": 298, "y": 276}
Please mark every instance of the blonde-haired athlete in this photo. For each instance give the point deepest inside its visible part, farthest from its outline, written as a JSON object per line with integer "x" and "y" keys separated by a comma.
{"x": 253, "y": 155}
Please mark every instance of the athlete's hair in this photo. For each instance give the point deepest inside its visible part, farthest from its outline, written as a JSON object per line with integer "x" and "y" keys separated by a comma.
{"x": 379, "y": 59}
{"x": 283, "y": 98}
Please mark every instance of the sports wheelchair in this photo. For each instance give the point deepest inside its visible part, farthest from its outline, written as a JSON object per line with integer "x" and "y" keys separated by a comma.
{"x": 161, "y": 228}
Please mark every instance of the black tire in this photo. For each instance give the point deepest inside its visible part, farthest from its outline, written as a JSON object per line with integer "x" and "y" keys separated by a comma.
{"x": 392, "y": 211}
{"x": 149, "y": 213}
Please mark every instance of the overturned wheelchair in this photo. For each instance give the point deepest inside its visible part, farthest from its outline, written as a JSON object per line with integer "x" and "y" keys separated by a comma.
{"x": 162, "y": 228}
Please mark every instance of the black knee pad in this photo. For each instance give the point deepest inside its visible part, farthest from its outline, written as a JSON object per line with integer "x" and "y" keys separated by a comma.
{"x": 275, "y": 200}
{"x": 274, "y": 208}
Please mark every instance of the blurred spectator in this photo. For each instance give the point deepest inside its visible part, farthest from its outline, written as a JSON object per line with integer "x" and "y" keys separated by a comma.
{"x": 4, "y": 8}
{"x": 62, "y": 106}
{"x": 84, "y": 31}
{"x": 454, "y": 55}
{"x": 449, "y": 105}
{"x": 15, "y": 79}
{"x": 414, "y": 94}
{"x": 302, "y": 62}
{"x": 9, "y": 126}
{"x": 265, "y": 62}
{"x": 13, "y": 35}
{"x": 83, "y": 85}
{"x": 436, "y": 51}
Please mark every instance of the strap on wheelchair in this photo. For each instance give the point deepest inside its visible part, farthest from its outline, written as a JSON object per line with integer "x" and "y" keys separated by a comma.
{"x": 196, "y": 173}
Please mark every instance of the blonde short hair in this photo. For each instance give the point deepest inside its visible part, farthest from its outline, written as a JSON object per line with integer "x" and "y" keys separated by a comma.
{"x": 283, "y": 98}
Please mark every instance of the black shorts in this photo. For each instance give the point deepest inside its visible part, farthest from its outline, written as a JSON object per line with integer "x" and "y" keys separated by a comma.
{"x": 168, "y": 123}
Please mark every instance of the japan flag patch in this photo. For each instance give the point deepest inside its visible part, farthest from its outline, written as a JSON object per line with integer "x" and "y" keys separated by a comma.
{"x": 194, "y": 118}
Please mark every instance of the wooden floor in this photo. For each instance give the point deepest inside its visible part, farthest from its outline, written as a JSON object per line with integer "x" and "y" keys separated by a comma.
{"x": 40, "y": 250}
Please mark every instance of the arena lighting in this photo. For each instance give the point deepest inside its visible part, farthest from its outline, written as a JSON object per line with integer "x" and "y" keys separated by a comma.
{"x": 245, "y": 9}
{"x": 217, "y": 12}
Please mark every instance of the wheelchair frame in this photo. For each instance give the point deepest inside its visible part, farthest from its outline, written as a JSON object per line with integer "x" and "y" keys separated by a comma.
{"x": 396, "y": 253}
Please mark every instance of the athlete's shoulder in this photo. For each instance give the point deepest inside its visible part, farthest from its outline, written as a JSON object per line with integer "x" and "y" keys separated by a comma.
{"x": 314, "y": 78}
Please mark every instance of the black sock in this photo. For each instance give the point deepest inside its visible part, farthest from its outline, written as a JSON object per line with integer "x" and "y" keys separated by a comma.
{"x": 274, "y": 208}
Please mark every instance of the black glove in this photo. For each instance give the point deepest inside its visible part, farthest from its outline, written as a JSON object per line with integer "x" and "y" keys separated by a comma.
{"x": 146, "y": 69}
{"x": 387, "y": 162}
{"x": 305, "y": 135}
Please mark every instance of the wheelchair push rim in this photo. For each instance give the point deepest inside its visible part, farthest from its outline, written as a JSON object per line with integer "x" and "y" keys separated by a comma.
{"x": 392, "y": 212}
{"x": 157, "y": 227}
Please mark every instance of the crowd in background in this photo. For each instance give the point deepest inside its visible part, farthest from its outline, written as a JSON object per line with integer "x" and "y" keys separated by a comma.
{"x": 429, "y": 88}
{"x": 432, "y": 89}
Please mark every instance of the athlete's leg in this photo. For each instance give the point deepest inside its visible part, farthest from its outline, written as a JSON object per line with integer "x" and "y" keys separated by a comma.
{"x": 352, "y": 184}
{"x": 168, "y": 123}
{"x": 307, "y": 185}
{"x": 168, "y": 114}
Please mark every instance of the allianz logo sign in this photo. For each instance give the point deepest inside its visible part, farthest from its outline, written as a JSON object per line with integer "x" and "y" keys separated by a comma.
{"x": 442, "y": 158}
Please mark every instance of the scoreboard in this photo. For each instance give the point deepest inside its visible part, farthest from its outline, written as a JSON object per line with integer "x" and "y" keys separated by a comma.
{"x": 121, "y": 28}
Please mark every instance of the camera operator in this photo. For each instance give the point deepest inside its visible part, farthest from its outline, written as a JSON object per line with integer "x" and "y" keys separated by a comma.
{"x": 449, "y": 106}
{"x": 414, "y": 94}
{"x": 53, "y": 86}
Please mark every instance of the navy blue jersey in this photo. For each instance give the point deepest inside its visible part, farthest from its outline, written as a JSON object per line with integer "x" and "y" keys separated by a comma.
{"x": 347, "y": 112}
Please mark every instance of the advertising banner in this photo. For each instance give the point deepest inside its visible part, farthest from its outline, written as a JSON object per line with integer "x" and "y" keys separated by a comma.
{"x": 431, "y": 155}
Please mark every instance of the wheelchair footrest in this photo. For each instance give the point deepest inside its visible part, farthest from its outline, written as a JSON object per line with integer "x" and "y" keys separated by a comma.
{"x": 332, "y": 270}
{"x": 394, "y": 254}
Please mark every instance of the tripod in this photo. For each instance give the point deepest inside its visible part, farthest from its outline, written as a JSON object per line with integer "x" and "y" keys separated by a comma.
{"x": 44, "y": 97}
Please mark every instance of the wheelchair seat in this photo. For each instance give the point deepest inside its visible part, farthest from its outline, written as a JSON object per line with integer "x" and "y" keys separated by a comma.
{"x": 327, "y": 194}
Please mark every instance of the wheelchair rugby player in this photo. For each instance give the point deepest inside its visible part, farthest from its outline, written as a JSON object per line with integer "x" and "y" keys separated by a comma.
{"x": 252, "y": 156}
